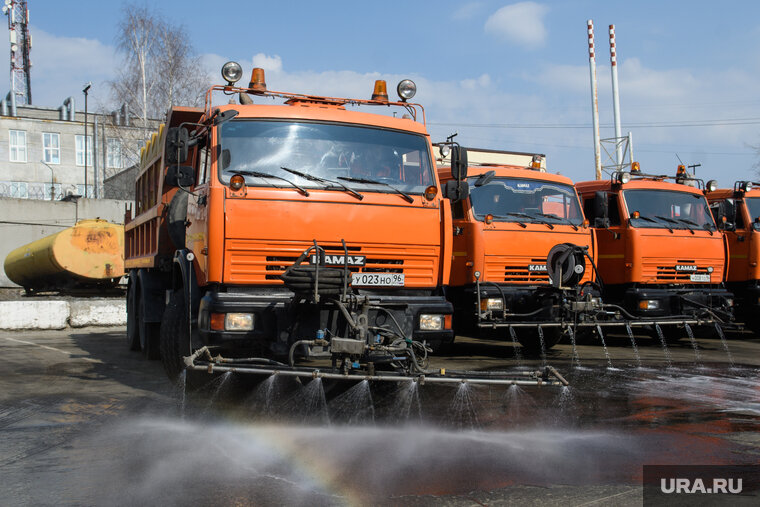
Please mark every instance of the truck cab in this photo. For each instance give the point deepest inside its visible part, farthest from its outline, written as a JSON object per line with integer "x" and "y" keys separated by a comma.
{"x": 286, "y": 229}
{"x": 737, "y": 213}
{"x": 523, "y": 251}
{"x": 661, "y": 256}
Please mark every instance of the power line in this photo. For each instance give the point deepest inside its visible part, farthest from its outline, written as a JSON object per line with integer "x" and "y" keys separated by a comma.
{"x": 682, "y": 123}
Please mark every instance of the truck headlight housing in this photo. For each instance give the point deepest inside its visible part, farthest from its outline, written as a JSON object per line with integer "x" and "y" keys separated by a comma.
{"x": 431, "y": 322}
{"x": 406, "y": 89}
{"x": 238, "y": 322}
{"x": 232, "y": 72}
{"x": 649, "y": 304}
{"x": 492, "y": 304}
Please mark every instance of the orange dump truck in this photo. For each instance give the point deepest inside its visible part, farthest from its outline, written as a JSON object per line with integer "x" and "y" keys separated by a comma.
{"x": 661, "y": 256}
{"x": 737, "y": 212}
{"x": 523, "y": 251}
{"x": 302, "y": 228}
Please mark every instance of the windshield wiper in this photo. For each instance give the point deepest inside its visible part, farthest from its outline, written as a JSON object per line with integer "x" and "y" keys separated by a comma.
{"x": 662, "y": 219}
{"x": 561, "y": 219}
{"x": 407, "y": 197}
{"x": 267, "y": 175}
{"x": 535, "y": 218}
{"x": 688, "y": 223}
{"x": 311, "y": 177}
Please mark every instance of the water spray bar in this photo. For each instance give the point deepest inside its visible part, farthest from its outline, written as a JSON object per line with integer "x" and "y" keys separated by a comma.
{"x": 536, "y": 378}
{"x": 549, "y": 376}
{"x": 617, "y": 323}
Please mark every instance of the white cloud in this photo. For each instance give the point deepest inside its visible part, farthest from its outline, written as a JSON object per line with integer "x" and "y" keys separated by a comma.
{"x": 62, "y": 65}
{"x": 268, "y": 63}
{"x": 468, "y": 11}
{"x": 521, "y": 23}
{"x": 473, "y": 84}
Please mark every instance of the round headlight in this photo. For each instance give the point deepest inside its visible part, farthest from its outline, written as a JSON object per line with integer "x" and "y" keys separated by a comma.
{"x": 712, "y": 186}
{"x": 406, "y": 89}
{"x": 624, "y": 177}
{"x": 444, "y": 150}
{"x": 232, "y": 72}
{"x": 237, "y": 182}
{"x": 747, "y": 186}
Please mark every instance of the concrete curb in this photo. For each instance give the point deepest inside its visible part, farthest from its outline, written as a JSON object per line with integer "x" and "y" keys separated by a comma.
{"x": 56, "y": 314}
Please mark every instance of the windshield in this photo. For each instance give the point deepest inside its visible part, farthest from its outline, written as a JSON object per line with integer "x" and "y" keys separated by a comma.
{"x": 523, "y": 200}
{"x": 668, "y": 209}
{"x": 360, "y": 158}
{"x": 753, "y": 206}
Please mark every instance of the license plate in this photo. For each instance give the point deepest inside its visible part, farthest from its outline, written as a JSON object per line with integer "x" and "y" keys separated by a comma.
{"x": 699, "y": 277}
{"x": 377, "y": 279}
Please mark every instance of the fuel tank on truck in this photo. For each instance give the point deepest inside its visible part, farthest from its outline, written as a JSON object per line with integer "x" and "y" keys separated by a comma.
{"x": 87, "y": 255}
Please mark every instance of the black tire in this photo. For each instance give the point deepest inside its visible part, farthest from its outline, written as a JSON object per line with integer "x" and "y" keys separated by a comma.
{"x": 148, "y": 332}
{"x": 133, "y": 335}
{"x": 531, "y": 343}
{"x": 175, "y": 336}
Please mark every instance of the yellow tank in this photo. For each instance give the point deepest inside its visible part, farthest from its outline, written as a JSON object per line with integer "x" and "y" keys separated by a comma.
{"x": 90, "y": 254}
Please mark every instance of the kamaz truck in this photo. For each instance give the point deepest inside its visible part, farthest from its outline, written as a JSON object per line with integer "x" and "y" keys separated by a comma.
{"x": 523, "y": 252}
{"x": 737, "y": 213}
{"x": 289, "y": 226}
{"x": 661, "y": 255}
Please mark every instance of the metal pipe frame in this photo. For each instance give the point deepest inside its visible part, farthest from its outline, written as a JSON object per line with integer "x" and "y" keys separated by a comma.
{"x": 536, "y": 378}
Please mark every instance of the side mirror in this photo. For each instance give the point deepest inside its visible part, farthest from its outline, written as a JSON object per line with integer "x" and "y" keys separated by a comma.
{"x": 601, "y": 208}
{"x": 458, "y": 162}
{"x": 485, "y": 178}
{"x": 456, "y": 190}
{"x": 225, "y": 116}
{"x": 175, "y": 149}
{"x": 601, "y": 223}
{"x": 180, "y": 176}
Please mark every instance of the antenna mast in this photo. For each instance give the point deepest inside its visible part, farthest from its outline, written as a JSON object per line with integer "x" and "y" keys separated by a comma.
{"x": 21, "y": 45}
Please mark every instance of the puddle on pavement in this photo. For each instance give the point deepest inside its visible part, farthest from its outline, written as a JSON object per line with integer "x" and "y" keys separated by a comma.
{"x": 281, "y": 442}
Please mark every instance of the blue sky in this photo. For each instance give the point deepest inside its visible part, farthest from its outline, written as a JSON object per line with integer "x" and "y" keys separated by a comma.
{"x": 504, "y": 75}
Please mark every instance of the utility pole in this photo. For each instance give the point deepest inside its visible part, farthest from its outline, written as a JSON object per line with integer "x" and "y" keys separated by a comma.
{"x": 594, "y": 101}
{"x": 85, "y": 91}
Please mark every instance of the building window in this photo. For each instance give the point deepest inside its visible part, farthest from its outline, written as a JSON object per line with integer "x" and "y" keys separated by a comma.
{"x": 80, "y": 150}
{"x": 90, "y": 191}
{"x": 17, "y": 145}
{"x": 113, "y": 153}
{"x": 51, "y": 148}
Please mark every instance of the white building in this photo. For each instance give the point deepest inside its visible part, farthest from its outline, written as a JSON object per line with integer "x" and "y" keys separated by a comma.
{"x": 42, "y": 150}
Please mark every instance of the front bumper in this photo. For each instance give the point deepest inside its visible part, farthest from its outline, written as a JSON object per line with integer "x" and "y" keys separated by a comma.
{"x": 278, "y": 319}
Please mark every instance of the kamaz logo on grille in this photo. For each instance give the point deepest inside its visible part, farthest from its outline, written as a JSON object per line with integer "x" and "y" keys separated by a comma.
{"x": 537, "y": 267}
{"x": 341, "y": 260}
{"x": 690, "y": 267}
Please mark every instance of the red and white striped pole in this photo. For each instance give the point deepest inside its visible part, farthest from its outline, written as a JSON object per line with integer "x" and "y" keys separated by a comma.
{"x": 615, "y": 99}
{"x": 594, "y": 101}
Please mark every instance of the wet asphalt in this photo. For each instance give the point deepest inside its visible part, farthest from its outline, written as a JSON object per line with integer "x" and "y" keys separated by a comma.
{"x": 83, "y": 421}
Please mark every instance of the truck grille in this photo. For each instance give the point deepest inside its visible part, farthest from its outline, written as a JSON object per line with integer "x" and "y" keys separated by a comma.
{"x": 254, "y": 262}
{"x": 516, "y": 271}
{"x": 665, "y": 271}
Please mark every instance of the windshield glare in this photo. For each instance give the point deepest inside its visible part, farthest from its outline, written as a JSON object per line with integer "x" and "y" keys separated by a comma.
{"x": 668, "y": 209}
{"x": 326, "y": 151}
{"x": 523, "y": 200}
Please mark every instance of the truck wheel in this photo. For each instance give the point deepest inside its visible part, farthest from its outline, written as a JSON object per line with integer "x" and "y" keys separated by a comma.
{"x": 175, "y": 336}
{"x": 133, "y": 336}
{"x": 148, "y": 332}
{"x": 531, "y": 342}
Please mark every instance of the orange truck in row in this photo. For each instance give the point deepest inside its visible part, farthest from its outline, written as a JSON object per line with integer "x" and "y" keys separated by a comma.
{"x": 523, "y": 252}
{"x": 304, "y": 228}
{"x": 661, "y": 256}
{"x": 737, "y": 212}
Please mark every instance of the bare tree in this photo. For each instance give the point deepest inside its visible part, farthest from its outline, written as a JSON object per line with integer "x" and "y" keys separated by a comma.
{"x": 160, "y": 68}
